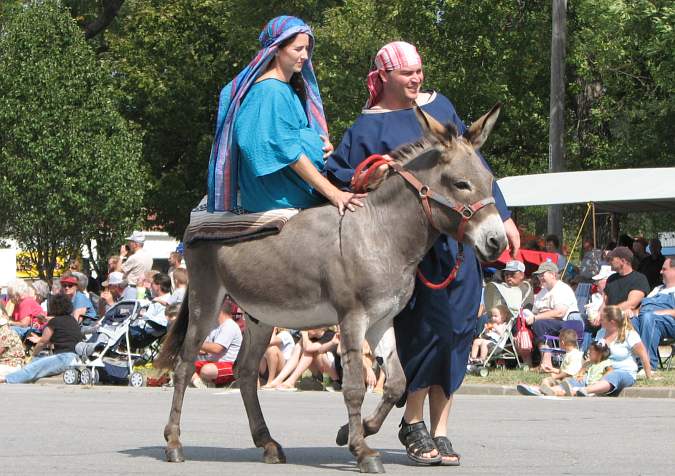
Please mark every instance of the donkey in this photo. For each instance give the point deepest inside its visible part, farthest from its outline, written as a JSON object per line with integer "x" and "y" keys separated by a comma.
{"x": 357, "y": 271}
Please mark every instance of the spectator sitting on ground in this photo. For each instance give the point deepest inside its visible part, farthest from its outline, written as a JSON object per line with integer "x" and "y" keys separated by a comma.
{"x": 553, "y": 305}
{"x": 656, "y": 318}
{"x": 319, "y": 349}
{"x": 180, "y": 284}
{"x": 570, "y": 367}
{"x": 63, "y": 333}
{"x": 278, "y": 353}
{"x": 115, "y": 290}
{"x": 135, "y": 262}
{"x": 12, "y": 351}
{"x": 623, "y": 342}
{"x": 219, "y": 351}
{"x": 26, "y": 308}
{"x": 626, "y": 288}
{"x": 83, "y": 309}
{"x": 374, "y": 382}
{"x": 597, "y": 365}
{"x": 493, "y": 332}
{"x": 652, "y": 264}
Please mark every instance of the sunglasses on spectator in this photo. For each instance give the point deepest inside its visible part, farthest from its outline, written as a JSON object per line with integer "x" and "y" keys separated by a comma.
{"x": 68, "y": 285}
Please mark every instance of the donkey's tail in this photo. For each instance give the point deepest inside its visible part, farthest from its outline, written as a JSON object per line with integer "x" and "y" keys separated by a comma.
{"x": 173, "y": 343}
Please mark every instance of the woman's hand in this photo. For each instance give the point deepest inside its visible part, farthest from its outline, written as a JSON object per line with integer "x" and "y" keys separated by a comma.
{"x": 346, "y": 200}
{"x": 327, "y": 147}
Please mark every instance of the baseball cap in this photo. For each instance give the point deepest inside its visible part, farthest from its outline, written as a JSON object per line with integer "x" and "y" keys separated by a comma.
{"x": 69, "y": 280}
{"x": 547, "y": 266}
{"x": 605, "y": 272}
{"x": 621, "y": 252}
{"x": 114, "y": 278}
{"x": 137, "y": 236}
{"x": 515, "y": 265}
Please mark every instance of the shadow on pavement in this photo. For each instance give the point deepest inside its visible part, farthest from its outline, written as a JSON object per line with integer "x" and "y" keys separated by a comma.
{"x": 331, "y": 458}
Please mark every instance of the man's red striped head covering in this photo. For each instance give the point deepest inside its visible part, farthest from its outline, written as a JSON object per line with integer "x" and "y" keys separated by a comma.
{"x": 394, "y": 55}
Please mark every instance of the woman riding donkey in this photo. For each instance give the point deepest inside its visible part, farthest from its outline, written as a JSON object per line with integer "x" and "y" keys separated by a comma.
{"x": 271, "y": 134}
{"x": 324, "y": 269}
{"x": 435, "y": 330}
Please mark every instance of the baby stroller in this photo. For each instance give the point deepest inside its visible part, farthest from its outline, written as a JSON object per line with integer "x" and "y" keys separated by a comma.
{"x": 123, "y": 340}
{"x": 504, "y": 349}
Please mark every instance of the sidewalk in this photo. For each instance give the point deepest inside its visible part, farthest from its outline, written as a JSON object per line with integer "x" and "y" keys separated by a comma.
{"x": 489, "y": 389}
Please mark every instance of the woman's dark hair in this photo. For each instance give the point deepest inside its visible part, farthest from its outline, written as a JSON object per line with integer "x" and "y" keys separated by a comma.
{"x": 59, "y": 305}
{"x": 163, "y": 281}
{"x": 555, "y": 240}
{"x": 601, "y": 348}
{"x": 297, "y": 81}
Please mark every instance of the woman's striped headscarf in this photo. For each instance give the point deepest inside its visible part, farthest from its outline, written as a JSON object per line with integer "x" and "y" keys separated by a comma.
{"x": 223, "y": 164}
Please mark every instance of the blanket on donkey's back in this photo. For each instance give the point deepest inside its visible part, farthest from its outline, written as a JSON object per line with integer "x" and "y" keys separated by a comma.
{"x": 235, "y": 225}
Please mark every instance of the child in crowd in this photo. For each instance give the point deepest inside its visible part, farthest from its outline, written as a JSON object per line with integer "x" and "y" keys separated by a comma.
{"x": 319, "y": 354}
{"x": 279, "y": 352}
{"x": 571, "y": 365}
{"x": 597, "y": 365}
{"x": 493, "y": 332}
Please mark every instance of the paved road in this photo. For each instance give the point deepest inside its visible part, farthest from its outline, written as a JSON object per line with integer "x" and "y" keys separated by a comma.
{"x": 54, "y": 429}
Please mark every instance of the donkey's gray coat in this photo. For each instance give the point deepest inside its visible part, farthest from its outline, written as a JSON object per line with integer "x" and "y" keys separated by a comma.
{"x": 323, "y": 269}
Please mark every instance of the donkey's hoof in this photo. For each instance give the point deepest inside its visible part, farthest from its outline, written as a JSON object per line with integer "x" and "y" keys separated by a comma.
{"x": 273, "y": 453}
{"x": 371, "y": 464}
{"x": 342, "y": 437}
{"x": 174, "y": 455}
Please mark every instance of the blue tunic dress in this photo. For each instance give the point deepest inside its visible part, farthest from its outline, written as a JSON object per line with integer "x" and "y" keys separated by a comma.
{"x": 271, "y": 132}
{"x": 435, "y": 330}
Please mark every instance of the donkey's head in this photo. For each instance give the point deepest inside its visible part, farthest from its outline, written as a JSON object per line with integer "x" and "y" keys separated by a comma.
{"x": 449, "y": 166}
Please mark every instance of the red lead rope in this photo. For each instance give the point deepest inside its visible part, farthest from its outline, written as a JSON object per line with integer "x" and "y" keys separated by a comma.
{"x": 360, "y": 181}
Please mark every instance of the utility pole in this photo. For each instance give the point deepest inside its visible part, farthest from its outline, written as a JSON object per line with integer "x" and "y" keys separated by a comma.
{"x": 556, "y": 131}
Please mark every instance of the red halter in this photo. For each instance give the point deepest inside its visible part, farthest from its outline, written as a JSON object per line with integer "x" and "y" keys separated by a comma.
{"x": 360, "y": 183}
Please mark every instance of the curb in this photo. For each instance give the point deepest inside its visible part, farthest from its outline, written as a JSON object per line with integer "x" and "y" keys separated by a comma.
{"x": 508, "y": 390}
{"x": 472, "y": 389}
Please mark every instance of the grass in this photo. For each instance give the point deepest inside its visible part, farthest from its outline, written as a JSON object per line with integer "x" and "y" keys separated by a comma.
{"x": 516, "y": 376}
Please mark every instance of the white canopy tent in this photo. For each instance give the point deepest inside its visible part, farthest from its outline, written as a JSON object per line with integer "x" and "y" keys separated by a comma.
{"x": 621, "y": 190}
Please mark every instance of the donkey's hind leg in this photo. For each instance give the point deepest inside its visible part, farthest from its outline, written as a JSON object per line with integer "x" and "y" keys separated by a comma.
{"x": 256, "y": 339}
{"x": 203, "y": 311}
{"x": 394, "y": 386}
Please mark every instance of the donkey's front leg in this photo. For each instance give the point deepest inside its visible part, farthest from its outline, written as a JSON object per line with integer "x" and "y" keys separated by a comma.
{"x": 394, "y": 386}
{"x": 352, "y": 333}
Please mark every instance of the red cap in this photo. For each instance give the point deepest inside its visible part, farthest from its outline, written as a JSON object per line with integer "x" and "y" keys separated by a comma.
{"x": 69, "y": 280}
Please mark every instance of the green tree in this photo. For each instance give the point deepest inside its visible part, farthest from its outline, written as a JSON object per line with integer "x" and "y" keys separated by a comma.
{"x": 70, "y": 163}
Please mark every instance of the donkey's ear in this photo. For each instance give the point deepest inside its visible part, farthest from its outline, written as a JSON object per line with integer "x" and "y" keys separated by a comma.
{"x": 480, "y": 129}
{"x": 431, "y": 126}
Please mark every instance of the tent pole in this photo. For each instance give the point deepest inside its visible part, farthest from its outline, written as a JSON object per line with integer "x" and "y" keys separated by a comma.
{"x": 595, "y": 240}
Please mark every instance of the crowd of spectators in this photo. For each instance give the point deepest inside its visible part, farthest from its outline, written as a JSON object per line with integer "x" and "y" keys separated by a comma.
{"x": 628, "y": 313}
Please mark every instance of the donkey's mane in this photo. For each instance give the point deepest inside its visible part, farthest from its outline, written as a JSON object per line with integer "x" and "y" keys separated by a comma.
{"x": 407, "y": 153}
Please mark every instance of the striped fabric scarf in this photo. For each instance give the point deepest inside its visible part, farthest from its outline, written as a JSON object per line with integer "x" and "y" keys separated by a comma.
{"x": 394, "y": 55}
{"x": 223, "y": 163}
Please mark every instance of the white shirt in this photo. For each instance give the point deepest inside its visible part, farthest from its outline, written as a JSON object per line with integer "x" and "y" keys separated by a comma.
{"x": 662, "y": 290}
{"x": 561, "y": 295}
{"x": 621, "y": 353}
